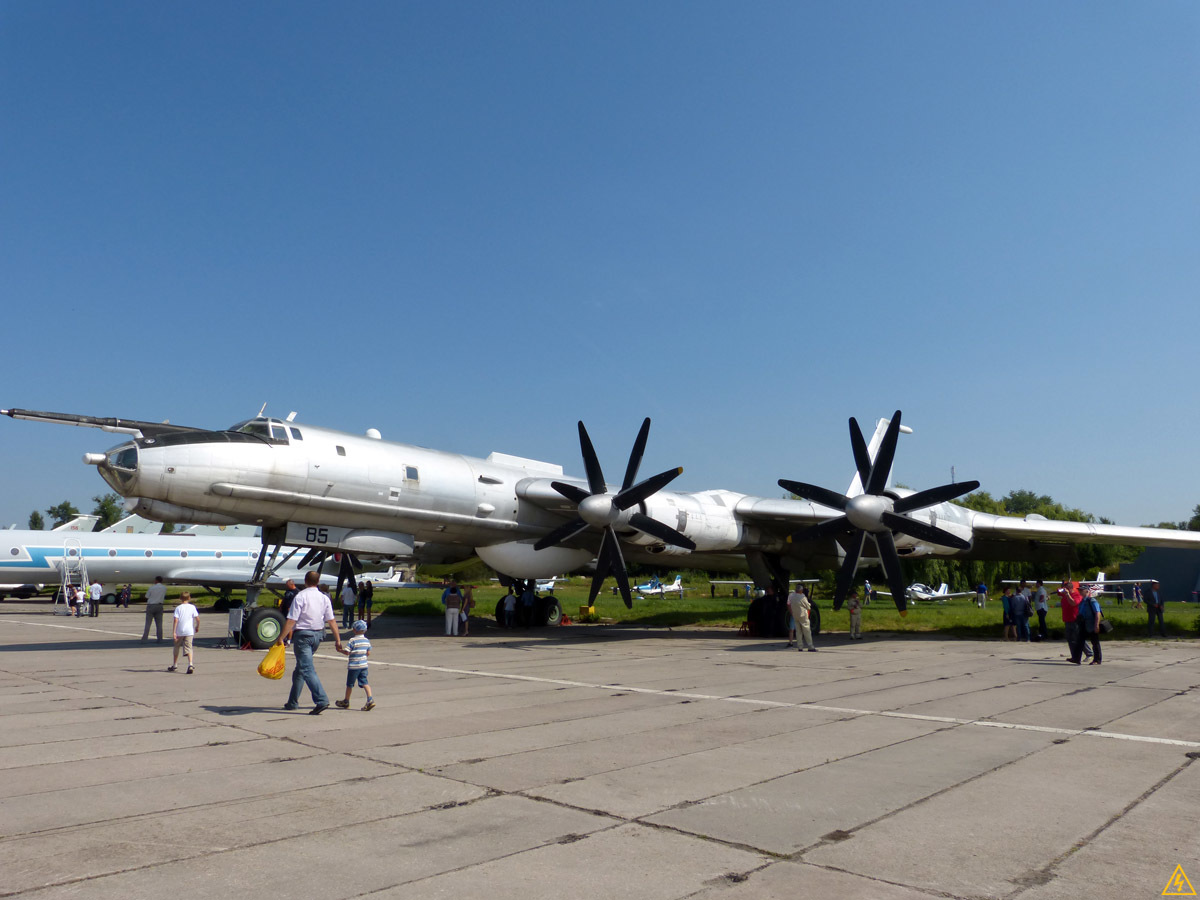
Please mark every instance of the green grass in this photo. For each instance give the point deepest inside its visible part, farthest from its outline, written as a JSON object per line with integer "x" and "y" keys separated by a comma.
{"x": 955, "y": 618}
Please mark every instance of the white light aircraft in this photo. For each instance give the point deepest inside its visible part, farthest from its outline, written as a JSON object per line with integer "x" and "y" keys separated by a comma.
{"x": 315, "y": 487}
{"x": 918, "y": 591}
{"x": 655, "y": 588}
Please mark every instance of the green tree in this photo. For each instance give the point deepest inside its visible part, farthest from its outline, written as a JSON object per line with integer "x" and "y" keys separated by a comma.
{"x": 1194, "y": 522}
{"x": 36, "y": 522}
{"x": 108, "y": 508}
{"x": 63, "y": 512}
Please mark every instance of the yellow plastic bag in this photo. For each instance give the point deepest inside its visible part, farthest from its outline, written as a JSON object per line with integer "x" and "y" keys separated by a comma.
{"x": 273, "y": 663}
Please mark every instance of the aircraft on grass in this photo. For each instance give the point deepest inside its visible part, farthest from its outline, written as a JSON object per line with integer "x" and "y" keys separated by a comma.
{"x": 918, "y": 591}
{"x": 327, "y": 490}
{"x": 655, "y": 588}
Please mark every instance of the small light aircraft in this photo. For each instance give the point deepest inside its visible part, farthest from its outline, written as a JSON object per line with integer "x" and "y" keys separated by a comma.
{"x": 655, "y": 588}
{"x": 314, "y": 487}
{"x": 918, "y": 591}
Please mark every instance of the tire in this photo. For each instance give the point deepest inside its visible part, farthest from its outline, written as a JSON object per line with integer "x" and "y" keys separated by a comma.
{"x": 262, "y": 628}
{"x": 814, "y": 619}
{"x": 109, "y": 599}
{"x": 550, "y": 611}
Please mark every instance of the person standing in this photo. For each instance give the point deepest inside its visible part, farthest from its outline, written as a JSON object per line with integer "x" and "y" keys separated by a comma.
{"x": 981, "y": 595}
{"x": 1006, "y": 599}
{"x": 510, "y": 608}
{"x": 366, "y": 596}
{"x": 855, "y": 607}
{"x": 1041, "y": 606}
{"x": 1019, "y": 608}
{"x": 1088, "y": 621}
{"x": 464, "y": 618}
{"x": 125, "y": 596}
{"x": 1154, "y": 609}
{"x": 311, "y": 611}
{"x": 800, "y": 606}
{"x": 1137, "y": 596}
{"x": 154, "y": 608}
{"x": 96, "y": 591}
{"x": 1070, "y": 599}
{"x": 453, "y": 600}
{"x": 186, "y": 626}
{"x": 349, "y": 599}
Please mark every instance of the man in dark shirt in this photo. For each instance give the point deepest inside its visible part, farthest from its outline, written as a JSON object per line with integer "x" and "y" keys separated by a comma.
{"x": 1154, "y": 608}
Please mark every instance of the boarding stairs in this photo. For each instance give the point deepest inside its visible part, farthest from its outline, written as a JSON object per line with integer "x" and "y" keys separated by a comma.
{"x": 72, "y": 569}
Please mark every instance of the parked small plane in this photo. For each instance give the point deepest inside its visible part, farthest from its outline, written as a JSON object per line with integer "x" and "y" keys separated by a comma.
{"x": 315, "y": 487}
{"x": 918, "y": 591}
{"x": 655, "y": 588}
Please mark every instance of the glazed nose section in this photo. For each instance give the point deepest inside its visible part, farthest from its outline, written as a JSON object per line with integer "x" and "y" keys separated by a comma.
{"x": 119, "y": 466}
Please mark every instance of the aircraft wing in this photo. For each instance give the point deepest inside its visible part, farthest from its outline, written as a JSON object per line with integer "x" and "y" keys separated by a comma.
{"x": 120, "y": 426}
{"x": 1056, "y": 531}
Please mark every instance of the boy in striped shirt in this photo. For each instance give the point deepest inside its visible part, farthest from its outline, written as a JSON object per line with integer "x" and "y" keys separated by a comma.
{"x": 358, "y": 648}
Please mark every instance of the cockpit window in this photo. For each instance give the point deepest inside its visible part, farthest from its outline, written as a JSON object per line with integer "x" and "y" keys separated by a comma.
{"x": 124, "y": 458}
{"x": 267, "y": 429}
{"x": 296, "y": 435}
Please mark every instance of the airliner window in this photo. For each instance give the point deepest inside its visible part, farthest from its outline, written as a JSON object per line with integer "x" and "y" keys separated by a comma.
{"x": 410, "y": 473}
{"x": 14, "y": 551}
{"x": 341, "y": 450}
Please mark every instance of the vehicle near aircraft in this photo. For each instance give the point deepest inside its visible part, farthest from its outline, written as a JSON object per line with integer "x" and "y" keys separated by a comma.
{"x": 328, "y": 490}
{"x": 655, "y": 588}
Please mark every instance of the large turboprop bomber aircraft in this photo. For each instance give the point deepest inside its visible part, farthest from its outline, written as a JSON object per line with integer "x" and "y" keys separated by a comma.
{"x": 332, "y": 491}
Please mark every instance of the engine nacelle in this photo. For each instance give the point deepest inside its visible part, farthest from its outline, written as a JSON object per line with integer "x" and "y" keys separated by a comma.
{"x": 161, "y": 511}
{"x": 519, "y": 560}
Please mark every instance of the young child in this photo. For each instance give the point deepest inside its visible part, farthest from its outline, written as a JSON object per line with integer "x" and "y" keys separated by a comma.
{"x": 358, "y": 648}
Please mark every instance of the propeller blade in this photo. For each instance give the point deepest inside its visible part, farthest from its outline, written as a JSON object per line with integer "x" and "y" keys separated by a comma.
{"x": 845, "y": 575}
{"x": 884, "y": 458}
{"x": 595, "y": 475}
{"x": 639, "y": 492}
{"x": 575, "y": 494}
{"x": 562, "y": 533}
{"x": 354, "y": 561}
{"x": 821, "y": 495}
{"x": 602, "y": 570}
{"x": 827, "y": 529}
{"x": 862, "y": 457}
{"x": 657, "y": 529}
{"x": 929, "y": 497}
{"x": 923, "y": 532}
{"x": 616, "y": 562}
{"x": 892, "y": 570}
{"x": 308, "y": 558}
{"x": 635, "y": 455}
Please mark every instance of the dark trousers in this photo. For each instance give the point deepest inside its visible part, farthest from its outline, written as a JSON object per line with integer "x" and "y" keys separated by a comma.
{"x": 1092, "y": 637}
{"x": 1042, "y": 624}
{"x": 1075, "y": 640}
{"x": 1151, "y": 612}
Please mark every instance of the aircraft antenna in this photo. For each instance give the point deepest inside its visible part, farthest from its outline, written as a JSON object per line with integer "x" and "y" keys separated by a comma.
{"x": 261, "y": 411}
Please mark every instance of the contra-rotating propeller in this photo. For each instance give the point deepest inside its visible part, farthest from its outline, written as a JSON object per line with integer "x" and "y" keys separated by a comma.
{"x": 598, "y": 508}
{"x": 877, "y": 513}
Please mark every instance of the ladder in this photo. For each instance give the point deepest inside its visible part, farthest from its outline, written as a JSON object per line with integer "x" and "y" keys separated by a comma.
{"x": 73, "y": 571}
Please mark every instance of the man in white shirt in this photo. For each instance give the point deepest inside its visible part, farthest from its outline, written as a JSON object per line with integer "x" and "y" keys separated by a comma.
{"x": 800, "y": 605}
{"x": 154, "y": 608}
{"x": 96, "y": 591}
{"x": 187, "y": 625}
{"x": 311, "y": 611}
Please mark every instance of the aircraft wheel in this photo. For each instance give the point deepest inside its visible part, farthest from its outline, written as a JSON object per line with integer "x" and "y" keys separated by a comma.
{"x": 262, "y": 628}
{"x": 500, "y": 612}
{"x": 553, "y": 611}
{"x": 814, "y": 619}
{"x": 109, "y": 599}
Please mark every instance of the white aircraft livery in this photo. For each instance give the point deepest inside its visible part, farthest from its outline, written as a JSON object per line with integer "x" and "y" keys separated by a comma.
{"x": 314, "y": 487}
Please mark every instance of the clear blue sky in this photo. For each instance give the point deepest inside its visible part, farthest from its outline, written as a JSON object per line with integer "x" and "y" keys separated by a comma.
{"x": 471, "y": 224}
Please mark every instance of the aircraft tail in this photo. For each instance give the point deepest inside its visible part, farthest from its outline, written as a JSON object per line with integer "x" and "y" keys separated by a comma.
{"x": 856, "y": 485}
{"x": 943, "y": 589}
{"x": 79, "y": 523}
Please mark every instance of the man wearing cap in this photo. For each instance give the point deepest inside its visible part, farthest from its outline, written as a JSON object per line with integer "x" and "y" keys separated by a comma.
{"x": 311, "y": 611}
{"x": 1154, "y": 607}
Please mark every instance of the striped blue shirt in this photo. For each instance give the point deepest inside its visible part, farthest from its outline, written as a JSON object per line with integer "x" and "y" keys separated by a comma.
{"x": 358, "y": 647}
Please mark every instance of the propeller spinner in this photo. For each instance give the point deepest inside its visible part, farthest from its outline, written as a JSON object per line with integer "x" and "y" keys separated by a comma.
{"x": 876, "y": 513}
{"x": 597, "y": 508}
